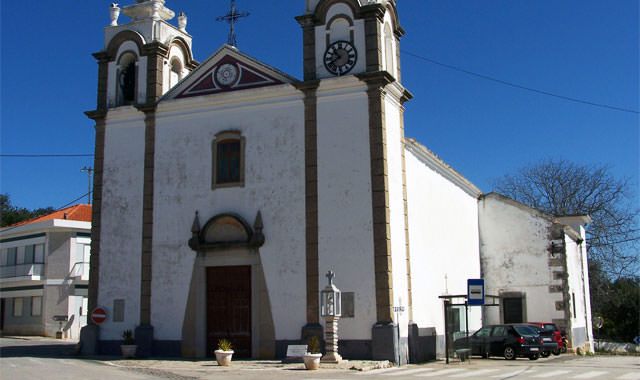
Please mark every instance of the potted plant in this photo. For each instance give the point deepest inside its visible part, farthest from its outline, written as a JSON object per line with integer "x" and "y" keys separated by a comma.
{"x": 312, "y": 356}
{"x": 224, "y": 352}
{"x": 128, "y": 345}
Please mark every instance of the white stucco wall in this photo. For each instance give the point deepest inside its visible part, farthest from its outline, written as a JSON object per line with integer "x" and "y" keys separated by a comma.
{"x": 443, "y": 235}
{"x": 272, "y": 122}
{"x": 515, "y": 241}
{"x": 345, "y": 227}
{"x": 515, "y": 258}
{"x": 121, "y": 218}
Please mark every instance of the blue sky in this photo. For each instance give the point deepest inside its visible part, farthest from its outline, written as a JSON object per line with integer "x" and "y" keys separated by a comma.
{"x": 579, "y": 49}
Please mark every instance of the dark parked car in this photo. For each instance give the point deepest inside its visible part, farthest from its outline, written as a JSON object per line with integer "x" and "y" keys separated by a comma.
{"x": 549, "y": 345}
{"x": 557, "y": 335}
{"x": 509, "y": 340}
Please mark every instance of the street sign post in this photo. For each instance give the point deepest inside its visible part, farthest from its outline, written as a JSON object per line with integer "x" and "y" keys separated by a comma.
{"x": 475, "y": 292}
{"x": 98, "y": 315}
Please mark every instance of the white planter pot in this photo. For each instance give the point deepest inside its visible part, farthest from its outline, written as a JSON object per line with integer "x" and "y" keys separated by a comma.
{"x": 311, "y": 361}
{"x": 223, "y": 357}
{"x": 128, "y": 350}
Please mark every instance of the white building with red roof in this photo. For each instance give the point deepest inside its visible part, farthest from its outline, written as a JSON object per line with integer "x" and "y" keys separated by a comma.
{"x": 44, "y": 274}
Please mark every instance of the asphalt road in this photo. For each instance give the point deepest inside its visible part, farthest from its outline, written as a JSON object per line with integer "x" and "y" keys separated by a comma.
{"x": 52, "y": 359}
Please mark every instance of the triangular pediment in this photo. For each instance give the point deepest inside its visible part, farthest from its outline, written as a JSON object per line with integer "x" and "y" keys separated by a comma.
{"x": 227, "y": 70}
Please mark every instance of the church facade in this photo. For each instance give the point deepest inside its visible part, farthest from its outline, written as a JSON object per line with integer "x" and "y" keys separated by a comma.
{"x": 225, "y": 190}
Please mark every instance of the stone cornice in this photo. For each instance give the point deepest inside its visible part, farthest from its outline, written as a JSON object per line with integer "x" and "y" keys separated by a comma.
{"x": 147, "y": 107}
{"x": 154, "y": 47}
{"x": 308, "y": 85}
{"x": 373, "y": 10}
{"x": 376, "y": 78}
{"x": 306, "y": 21}
{"x": 96, "y": 115}
{"x": 102, "y": 56}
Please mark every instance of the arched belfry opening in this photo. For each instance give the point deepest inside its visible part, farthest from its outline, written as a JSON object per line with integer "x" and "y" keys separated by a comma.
{"x": 127, "y": 75}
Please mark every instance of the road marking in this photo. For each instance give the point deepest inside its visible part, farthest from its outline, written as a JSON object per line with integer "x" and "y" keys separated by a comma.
{"x": 442, "y": 372}
{"x": 551, "y": 374}
{"x": 36, "y": 361}
{"x": 377, "y": 371}
{"x": 515, "y": 373}
{"x": 474, "y": 373}
{"x": 588, "y": 375}
{"x": 408, "y": 372}
{"x": 630, "y": 376}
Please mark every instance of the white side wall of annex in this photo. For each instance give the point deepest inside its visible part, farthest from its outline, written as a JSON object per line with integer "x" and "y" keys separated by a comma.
{"x": 443, "y": 235}
{"x": 273, "y": 128}
{"x": 121, "y": 218}
{"x": 515, "y": 258}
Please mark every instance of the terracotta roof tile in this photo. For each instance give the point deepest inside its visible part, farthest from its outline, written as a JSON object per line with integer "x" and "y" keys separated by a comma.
{"x": 79, "y": 212}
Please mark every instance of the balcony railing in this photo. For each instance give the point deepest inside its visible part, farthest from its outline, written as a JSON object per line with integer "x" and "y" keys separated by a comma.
{"x": 81, "y": 270}
{"x": 21, "y": 270}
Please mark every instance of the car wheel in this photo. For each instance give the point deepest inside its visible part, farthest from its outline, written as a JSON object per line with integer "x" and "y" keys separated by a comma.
{"x": 545, "y": 354}
{"x": 556, "y": 352}
{"x": 509, "y": 353}
{"x": 534, "y": 357}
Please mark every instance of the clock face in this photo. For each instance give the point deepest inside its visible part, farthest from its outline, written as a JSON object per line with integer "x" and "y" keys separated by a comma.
{"x": 226, "y": 74}
{"x": 340, "y": 57}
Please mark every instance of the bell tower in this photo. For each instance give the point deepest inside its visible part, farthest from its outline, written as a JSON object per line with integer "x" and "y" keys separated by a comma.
{"x": 140, "y": 61}
{"x": 143, "y": 58}
{"x": 354, "y": 144}
{"x": 342, "y": 37}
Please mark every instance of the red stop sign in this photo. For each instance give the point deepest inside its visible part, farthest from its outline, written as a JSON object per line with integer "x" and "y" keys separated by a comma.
{"x": 98, "y": 315}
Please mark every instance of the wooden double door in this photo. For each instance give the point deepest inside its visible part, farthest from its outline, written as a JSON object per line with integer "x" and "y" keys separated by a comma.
{"x": 229, "y": 308}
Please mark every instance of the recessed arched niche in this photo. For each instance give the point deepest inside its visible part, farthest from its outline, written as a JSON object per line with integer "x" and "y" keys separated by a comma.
{"x": 226, "y": 231}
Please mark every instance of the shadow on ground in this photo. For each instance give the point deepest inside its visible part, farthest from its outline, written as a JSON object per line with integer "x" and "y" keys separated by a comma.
{"x": 62, "y": 350}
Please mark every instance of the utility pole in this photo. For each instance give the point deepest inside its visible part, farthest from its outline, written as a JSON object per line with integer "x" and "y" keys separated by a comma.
{"x": 89, "y": 170}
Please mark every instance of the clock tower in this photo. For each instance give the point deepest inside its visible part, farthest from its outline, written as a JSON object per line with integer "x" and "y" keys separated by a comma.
{"x": 349, "y": 37}
{"x": 355, "y": 167}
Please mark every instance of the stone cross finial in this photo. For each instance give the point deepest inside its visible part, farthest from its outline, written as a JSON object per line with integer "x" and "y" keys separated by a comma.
{"x": 330, "y": 275}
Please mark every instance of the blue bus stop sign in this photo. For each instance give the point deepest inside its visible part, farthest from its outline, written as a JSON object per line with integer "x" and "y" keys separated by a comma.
{"x": 475, "y": 292}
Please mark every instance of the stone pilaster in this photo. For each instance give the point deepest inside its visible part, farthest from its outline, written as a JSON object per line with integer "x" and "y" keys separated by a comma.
{"x": 311, "y": 203}
{"x": 308, "y": 46}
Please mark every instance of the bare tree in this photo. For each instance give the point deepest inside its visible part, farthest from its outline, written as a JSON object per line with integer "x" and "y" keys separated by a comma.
{"x": 561, "y": 188}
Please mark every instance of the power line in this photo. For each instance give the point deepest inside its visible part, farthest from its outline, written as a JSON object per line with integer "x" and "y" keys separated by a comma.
{"x": 515, "y": 85}
{"x": 46, "y": 155}
{"x": 73, "y": 201}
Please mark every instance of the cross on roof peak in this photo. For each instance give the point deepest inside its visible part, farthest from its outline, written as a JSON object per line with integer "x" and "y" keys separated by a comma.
{"x": 232, "y": 17}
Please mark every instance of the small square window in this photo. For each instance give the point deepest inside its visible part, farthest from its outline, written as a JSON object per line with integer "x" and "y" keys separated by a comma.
{"x": 36, "y": 306}
{"x": 17, "y": 307}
